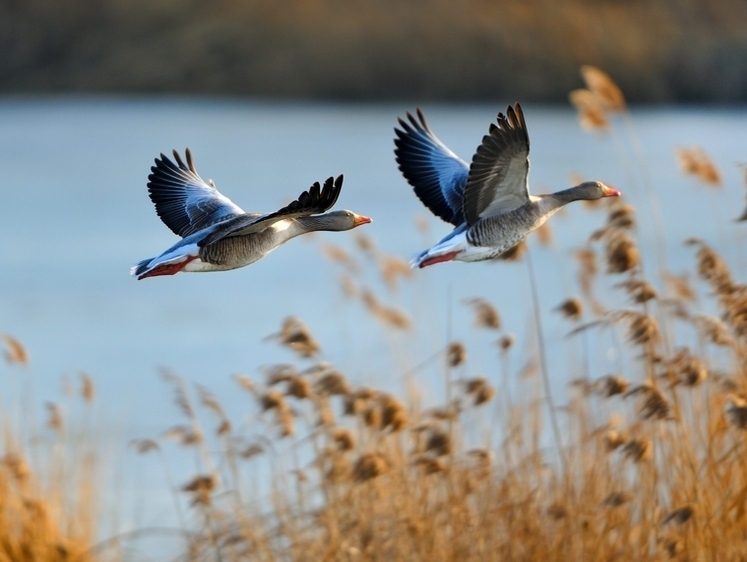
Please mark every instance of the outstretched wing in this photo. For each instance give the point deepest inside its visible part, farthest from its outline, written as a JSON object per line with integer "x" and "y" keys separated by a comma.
{"x": 317, "y": 199}
{"x": 185, "y": 203}
{"x": 437, "y": 175}
{"x": 497, "y": 180}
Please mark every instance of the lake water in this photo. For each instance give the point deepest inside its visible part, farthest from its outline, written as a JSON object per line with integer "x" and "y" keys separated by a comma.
{"x": 75, "y": 216}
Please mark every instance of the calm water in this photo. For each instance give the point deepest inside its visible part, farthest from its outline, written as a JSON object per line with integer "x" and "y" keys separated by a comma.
{"x": 75, "y": 216}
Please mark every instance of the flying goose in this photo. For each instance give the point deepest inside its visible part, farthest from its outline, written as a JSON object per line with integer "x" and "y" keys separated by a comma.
{"x": 216, "y": 234}
{"x": 488, "y": 202}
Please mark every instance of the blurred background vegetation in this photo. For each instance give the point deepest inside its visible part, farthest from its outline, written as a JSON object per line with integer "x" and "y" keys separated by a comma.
{"x": 659, "y": 51}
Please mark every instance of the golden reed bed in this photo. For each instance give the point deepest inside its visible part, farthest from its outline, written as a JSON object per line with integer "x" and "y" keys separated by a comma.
{"x": 646, "y": 466}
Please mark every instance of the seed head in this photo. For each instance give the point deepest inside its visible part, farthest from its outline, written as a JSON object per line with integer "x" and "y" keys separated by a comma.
{"x": 505, "y": 342}
{"x": 456, "y": 354}
{"x": 185, "y": 435}
{"x": 486, "y": 315}
{"x": 606, "y": 92}
{"x": 87, "y": 387}
{"x": 200, "y": 487}
{"x": 209, "y": 400}
{"x": 641, "y": 291}
{"x": 224, "y": 427}
{"x": 431, "y": 465}
{"x": 484, "y": 394}
{"x": 54, "y": 421}
{"x": 571, "y": 308}
{"x": 296, "y": 336}
{"x": 393, "y": 413}
{"x": 616, "y": 499}
{"x": 285, "y": 421}
{"x": 343, "y": 438}
{"x": 299, "y": 387}
{"x": 737, "y": 411}
{"x": 438, "y": 443}
{"x": 622, "y": 216}
{"x": 591, "y": 114}
{"x": 356, "y": 403}
{"x": 142, "y": 446}
{"x": 14, "y": 351}
{"x": 246, "y": 383}
{"x": 365, "y": 244}
{"x": 480, "y": 390}
{"x": 332, "y": 383}
{"x": 338, "y": 254}
{"x": 642, "y": 329}
{"x": 711, "y": 268}
{"x": 250, "y": 451}
{"x": 326, "y": 417}
{"x": 689, "y": 369}
{"x": 368, "y": 466}
{"x": 735, "y": 311}
{"x": 680, "y": 286}
{"x": 714, "y": 330}
{"x": 392, "y": 268}
{"x": 272, "y": 400}
{"x": 622, "y": 253}
{"x": 614, "y": 439}
{"x": 638, "y": 449}
{"x": 654, "y": 405}
{"x": 612, "y": 385}
{"x": 279, "y": 373}
{"x": 679, "y": 516}
{"x": 695, "y": 162}
{"x": 557, "y": 510}
{"x": 17, "y": 467}
{"x": 390, "y": 316}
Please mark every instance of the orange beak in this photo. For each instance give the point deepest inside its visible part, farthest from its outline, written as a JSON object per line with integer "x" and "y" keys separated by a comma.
{"x": 360, "y": 219}
{"x": 609, "y": 192}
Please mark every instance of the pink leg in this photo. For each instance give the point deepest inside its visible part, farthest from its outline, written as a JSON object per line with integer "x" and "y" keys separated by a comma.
{"x": 438, "y": 259}
{"x": 167, "y": 269}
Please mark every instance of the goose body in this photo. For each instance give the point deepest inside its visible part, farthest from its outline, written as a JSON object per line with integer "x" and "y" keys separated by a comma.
{"x": 487, "y": 201}
{"x": 217, "y": 235}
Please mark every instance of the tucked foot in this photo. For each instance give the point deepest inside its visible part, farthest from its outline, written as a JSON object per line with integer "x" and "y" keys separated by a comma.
{"x": 167, "y": 268}
{"x": 438, "y": 259}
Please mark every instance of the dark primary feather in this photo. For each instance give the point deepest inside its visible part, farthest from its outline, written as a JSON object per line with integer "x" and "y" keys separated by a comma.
{"x": 498, "y": 173}
{"x": 185, "y": 203}
{"x": 437, "y": 174}
{"x": 317, "y": 199}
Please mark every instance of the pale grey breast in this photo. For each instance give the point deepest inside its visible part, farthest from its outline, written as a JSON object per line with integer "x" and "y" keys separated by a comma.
{"x": 238, "y": 251}
{"x": 505, "y": 230}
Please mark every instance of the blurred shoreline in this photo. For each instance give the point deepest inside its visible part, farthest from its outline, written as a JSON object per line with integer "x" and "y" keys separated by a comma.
{"x": 668, "y": 51}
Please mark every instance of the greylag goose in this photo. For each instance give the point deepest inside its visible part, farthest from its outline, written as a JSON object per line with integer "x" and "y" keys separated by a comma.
{"x": 488, "y": 202}
{"x": 216, "y": 234}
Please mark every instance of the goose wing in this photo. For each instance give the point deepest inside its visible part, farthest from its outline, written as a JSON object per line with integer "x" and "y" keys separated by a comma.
{"x": 437, "y": 175}
{"x": 185, "y": 203}
{"x": 317, "y": 199}
{"x": 497, "y": 181}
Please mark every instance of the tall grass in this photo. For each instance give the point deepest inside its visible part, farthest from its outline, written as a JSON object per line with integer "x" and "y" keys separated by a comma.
{"x": 653, "y": 454}
{"x": 50, "y": 479}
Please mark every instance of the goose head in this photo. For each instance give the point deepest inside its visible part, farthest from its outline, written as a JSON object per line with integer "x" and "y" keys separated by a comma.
{"x": 337, "y": 221}
{"x": 593, "y": 190}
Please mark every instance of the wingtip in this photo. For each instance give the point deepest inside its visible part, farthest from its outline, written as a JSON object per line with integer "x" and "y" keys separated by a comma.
{"x": 178, "y": 159}
{"x": 421, "y": 116}
{"x": 190, "y": 161}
